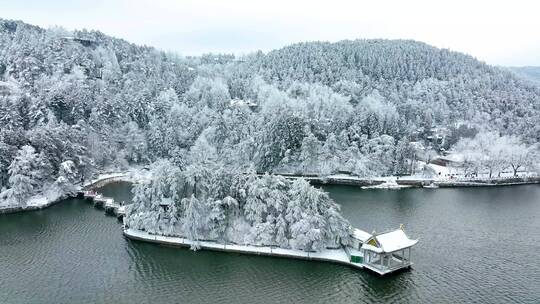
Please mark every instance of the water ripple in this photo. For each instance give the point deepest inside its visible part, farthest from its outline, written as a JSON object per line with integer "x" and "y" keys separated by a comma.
{"x": 476, "y": 247}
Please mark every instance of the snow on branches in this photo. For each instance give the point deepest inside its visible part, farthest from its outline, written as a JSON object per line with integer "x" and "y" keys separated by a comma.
{"x": 234, "y": 207}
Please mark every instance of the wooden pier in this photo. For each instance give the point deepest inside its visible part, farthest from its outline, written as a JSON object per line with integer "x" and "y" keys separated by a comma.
{"x": 99, "y": 201}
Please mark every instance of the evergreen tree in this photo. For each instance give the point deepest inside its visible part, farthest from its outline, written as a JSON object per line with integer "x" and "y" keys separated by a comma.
{"x": 23, "y": 175}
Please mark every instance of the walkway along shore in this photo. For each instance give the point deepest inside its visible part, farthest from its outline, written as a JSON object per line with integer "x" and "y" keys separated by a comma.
{"x": 99, "y": 201}
{"x": 412, "y": 181}
{"x": 44, "y": 201}
{"x": 367, "y": 251}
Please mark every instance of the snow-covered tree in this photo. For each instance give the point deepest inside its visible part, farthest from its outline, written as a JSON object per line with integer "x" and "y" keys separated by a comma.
{"x": 329, "y": 156}
{"x": 309, "y": 153}
{"x": 194, "y": 219}
{"x": 267, "y": 210}
{"x": 517, "y": 154}
{"x": 105, "y": 103}
{"x": 494, "y": 153}
{"x": 67, "y": 176}
{"x": 23, "y": 175}
{"x": 209, "y": 92}
{"x": 134, "y": 143}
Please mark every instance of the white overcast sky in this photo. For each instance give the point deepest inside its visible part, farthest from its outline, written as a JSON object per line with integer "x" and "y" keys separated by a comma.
{"x": 498, "y": 32}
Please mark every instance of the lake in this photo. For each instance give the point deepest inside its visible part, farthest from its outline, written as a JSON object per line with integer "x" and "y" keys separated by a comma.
{"x": 476, "y": 245}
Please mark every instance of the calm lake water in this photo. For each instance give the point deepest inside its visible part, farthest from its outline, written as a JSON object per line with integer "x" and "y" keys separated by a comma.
{"x": 476, "y": 246}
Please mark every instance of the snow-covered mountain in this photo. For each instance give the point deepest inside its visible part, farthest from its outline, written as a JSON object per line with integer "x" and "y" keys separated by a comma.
{"x": 315, "y": 107}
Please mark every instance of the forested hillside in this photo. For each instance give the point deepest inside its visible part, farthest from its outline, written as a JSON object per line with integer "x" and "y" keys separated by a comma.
{"x": 73, "y": 104}
{"x": 531, "y": 73}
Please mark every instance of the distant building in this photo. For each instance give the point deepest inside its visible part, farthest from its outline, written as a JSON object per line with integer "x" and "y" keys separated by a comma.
{"x": 450, "y": 160}
{"x": 83, "y": 41}
{"x": 166, "y": 203}
{"x": 437, "y": 136}
{"x": 240, "y": 103}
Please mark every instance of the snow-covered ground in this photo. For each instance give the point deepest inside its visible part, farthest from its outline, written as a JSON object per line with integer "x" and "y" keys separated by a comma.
{"x": 49, "y": 196}
{"x": 52, "y": 194}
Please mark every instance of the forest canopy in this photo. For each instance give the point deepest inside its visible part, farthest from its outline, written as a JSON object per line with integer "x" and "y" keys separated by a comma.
{"x": 210, "y": 202}
{"x": 74, "y": 104}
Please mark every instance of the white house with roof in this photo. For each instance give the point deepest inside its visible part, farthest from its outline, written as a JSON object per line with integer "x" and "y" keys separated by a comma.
{"x": 383, "y": 252}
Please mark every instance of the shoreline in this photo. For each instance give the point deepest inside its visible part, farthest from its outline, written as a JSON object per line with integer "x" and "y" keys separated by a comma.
{"x": 338, "y": 179}
{"x": 100, "y": 181}
{"x": 336, "y": 256}
{"x": 410, "y": 181}
{"x": 16, "y": 209}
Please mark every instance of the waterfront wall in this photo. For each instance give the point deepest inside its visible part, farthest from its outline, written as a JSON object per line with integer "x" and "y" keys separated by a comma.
{"x": 480, "y": 182}
{"x": 339, "y": 256}
{"x": 333, "y": 179}
{"x": 409, "y": 181}
{"x": 492, "y": 182}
